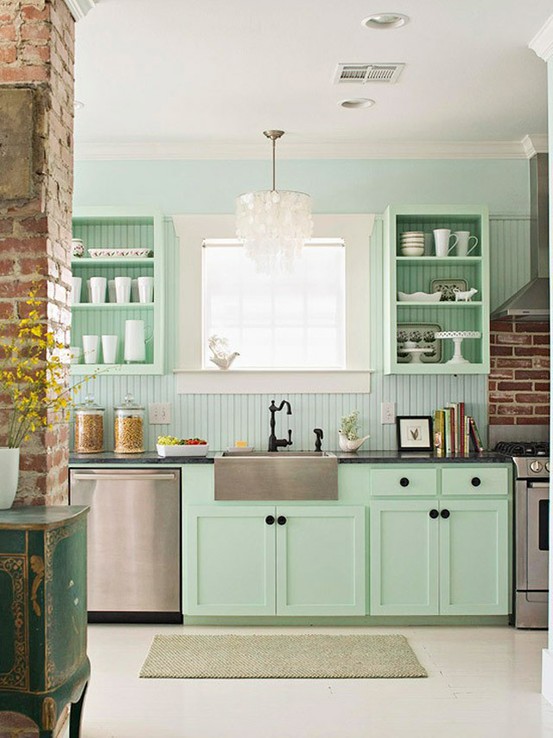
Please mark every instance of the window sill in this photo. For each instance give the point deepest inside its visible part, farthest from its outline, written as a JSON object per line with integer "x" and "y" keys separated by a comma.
{"x": 259, "y": 381}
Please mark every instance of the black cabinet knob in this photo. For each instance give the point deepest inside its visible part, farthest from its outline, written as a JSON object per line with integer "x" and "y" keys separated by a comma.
{"x": 445, "y": 514}
{"x": 404, "y": 482}
{"x": 476, "y": 481}
{"x": 270, "y": 520}
{"x": 281, "y": 520}
{"x": 434, "y": 514}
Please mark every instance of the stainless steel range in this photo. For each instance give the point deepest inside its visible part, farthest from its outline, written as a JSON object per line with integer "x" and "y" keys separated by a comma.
{"x": 531, "y": 549}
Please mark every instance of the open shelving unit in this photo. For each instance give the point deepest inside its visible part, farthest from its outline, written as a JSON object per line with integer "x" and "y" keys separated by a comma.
{"x": 415, "y": 274}
{"x": 112, "y": 227}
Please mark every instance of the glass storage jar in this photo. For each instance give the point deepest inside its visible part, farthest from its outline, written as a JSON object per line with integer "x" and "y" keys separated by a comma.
{"x": 129, "y": 427}
{"x": 89, "y": 427}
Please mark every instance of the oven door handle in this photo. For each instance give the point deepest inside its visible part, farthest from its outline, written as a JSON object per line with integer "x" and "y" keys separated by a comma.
{"x": 538, "y": 485}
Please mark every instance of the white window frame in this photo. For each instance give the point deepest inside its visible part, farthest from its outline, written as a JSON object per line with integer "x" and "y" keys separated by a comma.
{"x": 192, "y": 230}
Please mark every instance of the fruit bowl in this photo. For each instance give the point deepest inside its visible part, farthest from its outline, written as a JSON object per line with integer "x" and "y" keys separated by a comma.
{"x": 182, "y": 450}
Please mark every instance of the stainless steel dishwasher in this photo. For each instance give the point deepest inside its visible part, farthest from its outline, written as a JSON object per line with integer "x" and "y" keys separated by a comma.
{"x": 134, "y": 543}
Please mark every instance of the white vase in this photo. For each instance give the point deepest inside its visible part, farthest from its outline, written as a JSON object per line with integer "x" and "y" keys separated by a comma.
{"x": 9, "y": 476}
{"x": 350, "y": 446}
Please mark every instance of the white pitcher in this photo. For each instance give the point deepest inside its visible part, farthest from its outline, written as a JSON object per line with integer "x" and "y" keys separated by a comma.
{"x": 463, "y": 243}
{"x": 135, "y": 341}
{"x": 441, "y": 239}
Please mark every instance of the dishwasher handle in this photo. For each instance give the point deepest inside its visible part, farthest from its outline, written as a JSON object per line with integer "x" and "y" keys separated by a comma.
{"x": 122, "y": 477}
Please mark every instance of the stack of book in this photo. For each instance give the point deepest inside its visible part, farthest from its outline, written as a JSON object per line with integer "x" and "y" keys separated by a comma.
{"x": 454, "y": 431}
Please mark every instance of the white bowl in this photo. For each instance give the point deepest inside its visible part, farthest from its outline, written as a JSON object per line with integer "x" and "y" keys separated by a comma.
{"x": 412, "y": 239}
{"x": 419, "y": 296}
{"x": 200, "y": 450}
{"x": 412, "y": 233}
{"x": 412, "y": 250}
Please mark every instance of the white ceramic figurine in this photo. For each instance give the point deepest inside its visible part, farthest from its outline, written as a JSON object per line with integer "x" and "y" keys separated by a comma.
{"x": 464, "y": 296}
{"x": 222, "y": 357}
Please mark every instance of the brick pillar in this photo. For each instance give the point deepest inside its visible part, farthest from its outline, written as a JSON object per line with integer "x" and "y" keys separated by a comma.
{"x": 36, "y": 182}
{"x": 519, "y": 378}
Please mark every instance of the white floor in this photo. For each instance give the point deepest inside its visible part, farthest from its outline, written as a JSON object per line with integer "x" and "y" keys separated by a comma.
{"x": 483, "y": 683}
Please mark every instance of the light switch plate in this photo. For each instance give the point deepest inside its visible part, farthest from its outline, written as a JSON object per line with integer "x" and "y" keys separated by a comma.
{"x": 388, "y": 413}
{"x": 159, "y": 413}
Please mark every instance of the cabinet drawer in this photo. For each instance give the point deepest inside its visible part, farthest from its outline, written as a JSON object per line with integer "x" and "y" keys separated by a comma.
{"x": 475, "y": 480}
{"x": 407, "y": 480}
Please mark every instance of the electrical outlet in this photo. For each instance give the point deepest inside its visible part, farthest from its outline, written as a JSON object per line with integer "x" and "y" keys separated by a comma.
{"x": 388, "y": 413}
{"x": 159, "y": 413}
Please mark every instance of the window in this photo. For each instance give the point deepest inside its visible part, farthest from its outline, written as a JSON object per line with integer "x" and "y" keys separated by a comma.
{"x": 283, "y": 321}
{"x": 344, "y": 361}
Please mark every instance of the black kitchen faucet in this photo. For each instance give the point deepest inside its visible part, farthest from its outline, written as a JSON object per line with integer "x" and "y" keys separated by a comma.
{"x": 274, "y": 442}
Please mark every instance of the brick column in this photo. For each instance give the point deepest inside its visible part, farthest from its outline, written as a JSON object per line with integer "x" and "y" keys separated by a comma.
{"x": 519, "y": 378}
{"x": 36, "y": 182}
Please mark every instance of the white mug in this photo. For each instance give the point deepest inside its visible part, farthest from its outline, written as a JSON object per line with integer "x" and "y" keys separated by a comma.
{"x": 75, "y": 354}
{"x": 111, "y": 290}
{"x": 90, "y": 349}
{"x": 463, "y": 243}
{"x": 441, "y": 239}
{"x": 109, "y": 349}
{"x": 122, "y": 289}
{"x": 145, "y": 289}
{"x": 135, "y": 341}
{"x": 97, "y": 289}
{"x": 75, "y": 294}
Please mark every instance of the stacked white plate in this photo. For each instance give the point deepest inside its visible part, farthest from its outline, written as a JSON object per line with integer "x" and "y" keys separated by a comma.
{"x": 412, "y": 243}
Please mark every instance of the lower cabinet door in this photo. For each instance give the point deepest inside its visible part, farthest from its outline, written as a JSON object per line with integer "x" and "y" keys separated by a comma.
{"x": 404, "y": 557}
{"x": 321, "y": 560}
{"x": 474, "y": 557}
{"x": 230, "y": 560}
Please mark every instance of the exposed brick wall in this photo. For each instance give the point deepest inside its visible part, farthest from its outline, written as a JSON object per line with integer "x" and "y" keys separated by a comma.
{"x": 519, "y": 378}
{"x": 37, "y": 52}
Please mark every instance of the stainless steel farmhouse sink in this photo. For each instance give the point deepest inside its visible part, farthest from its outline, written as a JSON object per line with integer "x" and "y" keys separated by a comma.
{"x": 301, "y": 475}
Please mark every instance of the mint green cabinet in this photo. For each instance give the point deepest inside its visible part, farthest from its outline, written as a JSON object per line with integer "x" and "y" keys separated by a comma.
{"x": 112, "y": 229}
{"x": 230, "y": 561}
{"x": 427, "y": 273}
{"x": 439, "y": 557}
{"x": 404, "y": 577}
{"x": 474, "y": 557}
{"x": 267, "y": 560}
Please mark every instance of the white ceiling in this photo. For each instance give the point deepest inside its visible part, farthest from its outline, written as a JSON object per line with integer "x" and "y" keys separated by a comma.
{"x": 210, "y": 75}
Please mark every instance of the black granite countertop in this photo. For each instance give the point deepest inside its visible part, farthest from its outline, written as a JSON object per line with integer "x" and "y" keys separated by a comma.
{"x": 360, "y": 457}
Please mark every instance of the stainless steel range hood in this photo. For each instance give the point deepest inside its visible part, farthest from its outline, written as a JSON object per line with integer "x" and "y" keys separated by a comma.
{"x": 531, "y": 302}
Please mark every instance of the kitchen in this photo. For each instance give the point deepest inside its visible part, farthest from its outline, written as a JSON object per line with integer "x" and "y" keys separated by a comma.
{"x": 338, "y": 185}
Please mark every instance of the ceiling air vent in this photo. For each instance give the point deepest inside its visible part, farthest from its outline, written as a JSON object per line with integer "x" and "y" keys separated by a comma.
{"x": 361, "y": 73}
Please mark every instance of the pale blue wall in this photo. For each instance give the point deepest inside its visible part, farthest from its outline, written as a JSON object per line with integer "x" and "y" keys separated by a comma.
{"x": 337, "y": 186}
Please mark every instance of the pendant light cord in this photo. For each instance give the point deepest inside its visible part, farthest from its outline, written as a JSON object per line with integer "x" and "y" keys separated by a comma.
{"x": 274, "y": 163}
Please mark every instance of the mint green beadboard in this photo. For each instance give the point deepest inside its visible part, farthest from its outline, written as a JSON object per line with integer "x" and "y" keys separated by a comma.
{"x": 222, "y": 419}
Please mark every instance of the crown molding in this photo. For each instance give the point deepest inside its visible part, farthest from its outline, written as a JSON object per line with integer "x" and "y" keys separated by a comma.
{"x": 535, "y": 144}
{"x": 542, "y": 43}
{"x": 331, "y": 150}
{"x": 79, "y": 8}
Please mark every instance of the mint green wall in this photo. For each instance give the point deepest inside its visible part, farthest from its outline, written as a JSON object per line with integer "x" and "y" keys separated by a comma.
{"x": 343, "y": 186}
{"x": 337, "y": 186}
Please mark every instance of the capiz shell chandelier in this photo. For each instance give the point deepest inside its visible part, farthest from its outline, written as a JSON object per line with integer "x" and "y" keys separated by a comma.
{"x": 273, "y": 224}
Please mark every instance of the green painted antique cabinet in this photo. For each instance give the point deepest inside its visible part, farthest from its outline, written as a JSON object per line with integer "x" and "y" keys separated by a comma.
{"x": 43, "y": 661}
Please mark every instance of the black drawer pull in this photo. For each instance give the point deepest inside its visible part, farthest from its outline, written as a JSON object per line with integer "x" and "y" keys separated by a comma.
{"x": 434, "y": 514}
{"x": 404, "y": 482}
{"x": 476, "y": 481}
{"x": 281, "y": 520}
{"x": 445, "y": 514}
{"x": 270, "y": 520}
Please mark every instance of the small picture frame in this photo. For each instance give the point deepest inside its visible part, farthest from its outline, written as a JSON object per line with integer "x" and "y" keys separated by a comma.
{"x": 414, "y": 433}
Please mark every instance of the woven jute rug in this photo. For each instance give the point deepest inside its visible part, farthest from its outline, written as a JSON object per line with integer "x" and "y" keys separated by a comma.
{"x": 310, "y": 656}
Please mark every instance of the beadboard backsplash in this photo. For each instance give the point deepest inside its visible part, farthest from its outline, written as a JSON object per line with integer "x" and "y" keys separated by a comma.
{"x": 223, "y": 419}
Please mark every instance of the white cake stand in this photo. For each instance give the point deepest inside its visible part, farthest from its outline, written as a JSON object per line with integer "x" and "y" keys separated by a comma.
{"x": 417, "y": 353}
{"x": 457, "y": 338}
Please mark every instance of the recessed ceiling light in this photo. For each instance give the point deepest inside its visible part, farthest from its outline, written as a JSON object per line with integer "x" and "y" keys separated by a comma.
{"x": 78, "y": 105}
{"x": 357, "y": 102}
{"x": 385, "y": 20}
